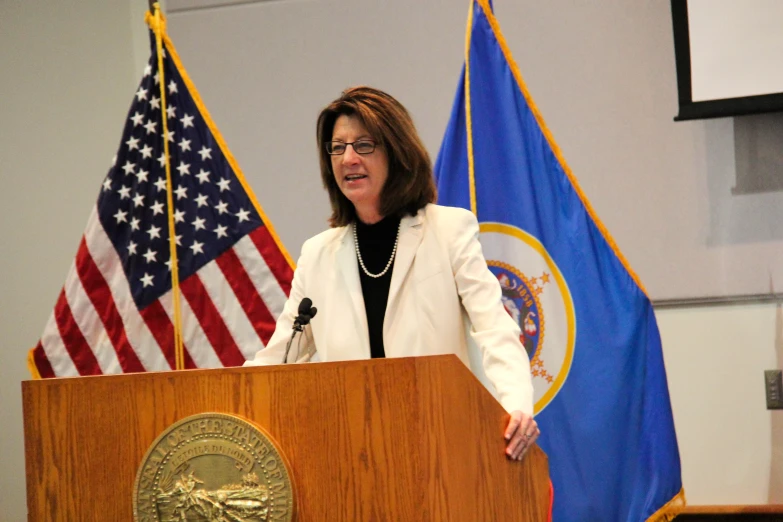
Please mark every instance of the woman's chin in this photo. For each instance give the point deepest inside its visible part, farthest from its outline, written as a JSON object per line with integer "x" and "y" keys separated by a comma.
{"x": 357, "y": 196}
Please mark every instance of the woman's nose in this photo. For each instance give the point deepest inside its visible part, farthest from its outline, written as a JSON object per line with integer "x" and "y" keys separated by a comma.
{"x": 349, "y": 156}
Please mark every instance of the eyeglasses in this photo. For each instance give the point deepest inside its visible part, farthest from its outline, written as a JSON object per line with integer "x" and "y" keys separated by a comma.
{"x": 337, "y": 148}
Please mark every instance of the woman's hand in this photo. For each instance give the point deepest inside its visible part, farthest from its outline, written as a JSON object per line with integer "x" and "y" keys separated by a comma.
{"x": 521, "y": 433}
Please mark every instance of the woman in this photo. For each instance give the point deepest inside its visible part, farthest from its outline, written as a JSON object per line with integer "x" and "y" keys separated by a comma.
{"x": 396, "y": 275}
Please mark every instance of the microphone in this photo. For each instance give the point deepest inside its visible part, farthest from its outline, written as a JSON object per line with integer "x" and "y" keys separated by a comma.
{"x": 306, "y": 312}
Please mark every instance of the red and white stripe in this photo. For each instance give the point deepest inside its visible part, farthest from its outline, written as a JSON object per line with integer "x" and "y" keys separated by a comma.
{"x": 228, "y": 307}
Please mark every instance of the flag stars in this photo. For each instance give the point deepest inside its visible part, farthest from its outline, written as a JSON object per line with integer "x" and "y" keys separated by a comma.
{"x": 197, "y": 248}
{"x": 183, "y": 169}
{"x": 222, "y": 207}
{"x": 138, "y": 217}
{"x": 203, "y": 176}
{"x": 149, "y": 255}
{"x": 243, "y": 215}
{"x": 201, "y": 200}
{"x": 128, "y": 167}
{"x": 154, "y": 232}
{"x": 198, "y": 224}
{"x": 146, "y": 280}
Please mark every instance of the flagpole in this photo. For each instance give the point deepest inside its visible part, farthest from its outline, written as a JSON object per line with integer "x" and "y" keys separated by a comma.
{"x": 468, "y": 120}
{"x": 157, "y": 25}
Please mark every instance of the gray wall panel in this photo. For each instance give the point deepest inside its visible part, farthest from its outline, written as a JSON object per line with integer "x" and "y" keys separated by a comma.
{"x": 602, "y": 75}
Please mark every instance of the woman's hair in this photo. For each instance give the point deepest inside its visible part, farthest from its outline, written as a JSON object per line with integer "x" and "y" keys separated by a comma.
{"x": 409, "y": 185}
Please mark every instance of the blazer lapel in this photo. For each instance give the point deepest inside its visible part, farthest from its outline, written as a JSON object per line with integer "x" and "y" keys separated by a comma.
{"x": 408, "y": 244}
{"x": 348, "y": 266}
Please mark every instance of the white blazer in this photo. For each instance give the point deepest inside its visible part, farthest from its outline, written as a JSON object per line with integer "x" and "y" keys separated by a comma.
{"x": 440, "y": 289}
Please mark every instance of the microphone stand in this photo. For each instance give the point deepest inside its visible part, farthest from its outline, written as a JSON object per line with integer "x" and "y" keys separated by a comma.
{"x": 297, "y": 329}
{"x": 306, "y": 312}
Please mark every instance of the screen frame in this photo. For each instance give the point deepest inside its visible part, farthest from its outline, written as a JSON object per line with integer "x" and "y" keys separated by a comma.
{"x": 722, "y": 108}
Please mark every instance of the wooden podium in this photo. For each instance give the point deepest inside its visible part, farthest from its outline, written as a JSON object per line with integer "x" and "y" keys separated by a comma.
{"x": 414, "y": 439}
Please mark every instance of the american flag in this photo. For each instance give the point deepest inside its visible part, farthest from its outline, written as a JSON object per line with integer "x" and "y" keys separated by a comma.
{"x": 115, "y": 312}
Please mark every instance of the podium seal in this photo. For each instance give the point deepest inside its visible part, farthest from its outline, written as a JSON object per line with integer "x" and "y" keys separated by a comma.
{"x": 213, "y": 467}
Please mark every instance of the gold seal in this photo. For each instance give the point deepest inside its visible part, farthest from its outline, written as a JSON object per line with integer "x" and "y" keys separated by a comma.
{"x": 213, "y": 467}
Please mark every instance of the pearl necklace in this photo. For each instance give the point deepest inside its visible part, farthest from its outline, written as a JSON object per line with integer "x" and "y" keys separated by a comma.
{"x": 359, "y": 254}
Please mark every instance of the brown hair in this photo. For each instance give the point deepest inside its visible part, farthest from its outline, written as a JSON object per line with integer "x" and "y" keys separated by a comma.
{"x": 410, "y": 185}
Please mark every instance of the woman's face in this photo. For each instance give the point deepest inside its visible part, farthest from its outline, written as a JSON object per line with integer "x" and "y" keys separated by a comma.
{"x": 361, "y": 177}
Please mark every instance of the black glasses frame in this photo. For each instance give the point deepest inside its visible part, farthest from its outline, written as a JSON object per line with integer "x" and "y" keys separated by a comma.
{"x": 330, "y": 144}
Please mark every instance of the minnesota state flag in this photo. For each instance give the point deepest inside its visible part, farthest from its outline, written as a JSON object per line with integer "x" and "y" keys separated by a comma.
{"x": 601, "y": 397}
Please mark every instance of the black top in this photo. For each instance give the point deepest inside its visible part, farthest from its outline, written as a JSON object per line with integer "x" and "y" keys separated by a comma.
{"x": 376, "y": 243}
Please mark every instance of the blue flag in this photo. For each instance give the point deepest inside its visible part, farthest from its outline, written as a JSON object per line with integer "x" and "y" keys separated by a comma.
{"x": 601, "y": 397}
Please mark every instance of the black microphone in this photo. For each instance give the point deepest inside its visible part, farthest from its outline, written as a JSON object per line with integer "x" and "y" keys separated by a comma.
{"x": 306, "y": 312}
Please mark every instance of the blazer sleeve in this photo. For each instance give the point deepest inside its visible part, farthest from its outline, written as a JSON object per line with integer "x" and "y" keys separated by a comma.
{"x": 303, "y": 348}
{"x": 504, "y": 359}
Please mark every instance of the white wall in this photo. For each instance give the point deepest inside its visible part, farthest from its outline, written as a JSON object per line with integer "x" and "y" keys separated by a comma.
{"x": 731, "y": 446}
{"x": 69, "y": 72}
{"x": 602, "y": 73}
